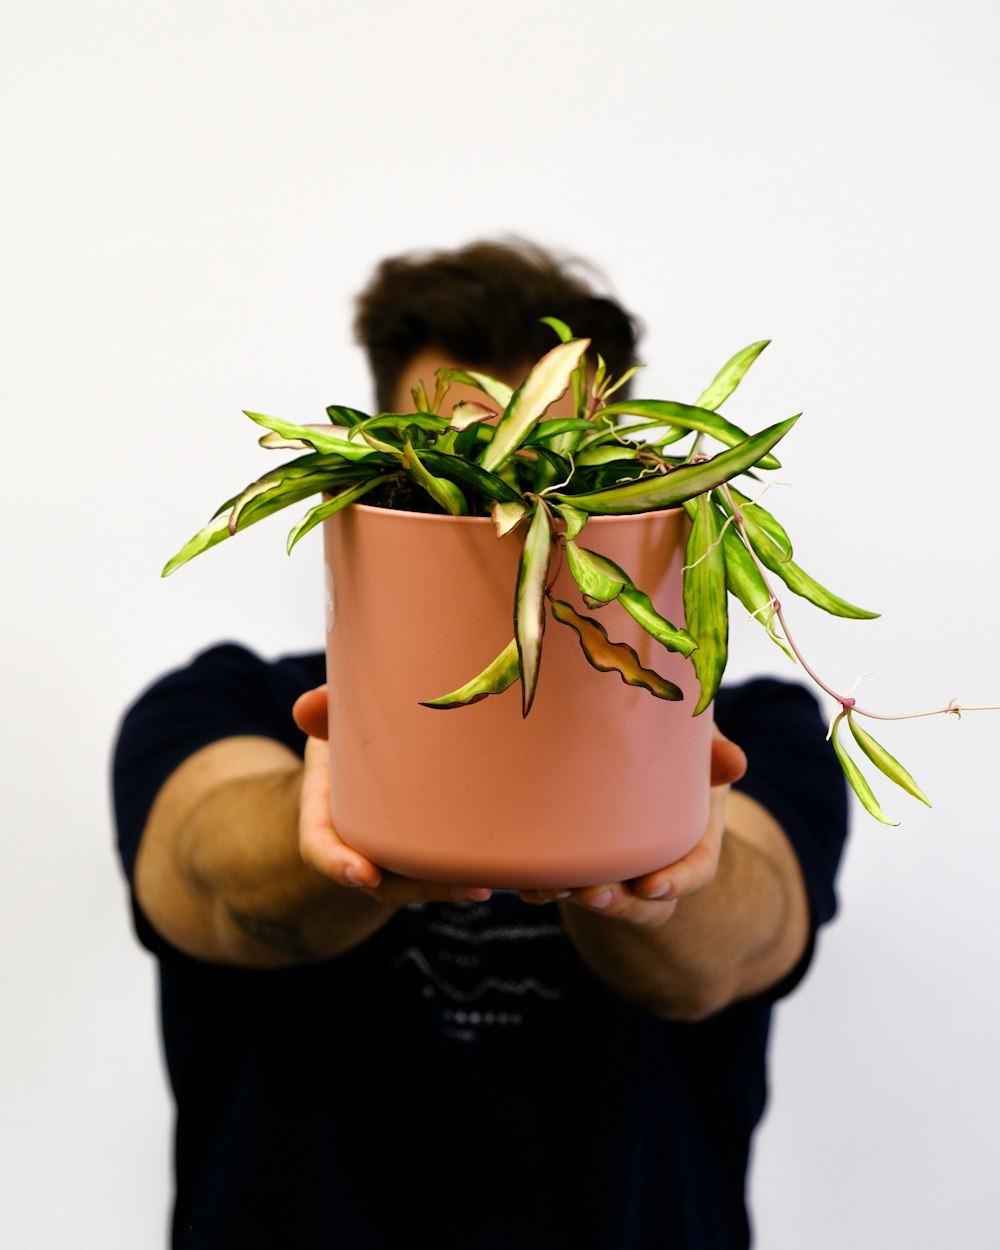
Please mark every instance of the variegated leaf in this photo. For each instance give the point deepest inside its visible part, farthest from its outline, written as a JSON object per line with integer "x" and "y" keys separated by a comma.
{"x": 497, "y": 677}
{"x": 600, "y": 581}
{"x": 685, "y": 417}
{"x": 529, "y": 602}
{"x": 318, "y": 437}
{"x": 855, "y": 778}
{"x": 885, "y": 762}
{"x": 507, "y": 516}
{"x": 730, "y": 376}
{"x": 546, "y": 382}
{"x": 640, "y": 608}
{"x": 705, "y": 605}
{"x": 440, "y": 489}
{"x": 468, "y": 411}
{"x": 331, "y": 506}
{"x": 613, "y": 657}
{"x": 671, "y": 489}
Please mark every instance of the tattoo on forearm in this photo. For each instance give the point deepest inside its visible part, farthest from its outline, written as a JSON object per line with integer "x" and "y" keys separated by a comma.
{"x": 277, "y": 935}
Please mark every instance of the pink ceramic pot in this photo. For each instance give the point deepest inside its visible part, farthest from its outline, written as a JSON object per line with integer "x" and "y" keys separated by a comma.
{"x": 601, "y": 782}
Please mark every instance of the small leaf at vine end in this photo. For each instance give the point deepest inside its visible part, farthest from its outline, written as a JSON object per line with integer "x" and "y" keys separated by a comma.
{"x": 855, "y": 779}
{"x": 885, "y": 762}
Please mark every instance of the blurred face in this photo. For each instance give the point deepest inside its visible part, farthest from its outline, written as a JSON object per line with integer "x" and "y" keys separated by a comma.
{"x": 423, "y": 366}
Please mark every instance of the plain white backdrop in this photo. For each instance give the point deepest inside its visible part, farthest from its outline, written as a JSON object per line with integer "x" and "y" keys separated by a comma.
{"x": 193, "y": 192}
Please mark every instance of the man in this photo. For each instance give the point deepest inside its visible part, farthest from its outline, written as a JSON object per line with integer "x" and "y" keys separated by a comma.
{"x": 362, "y": 1060}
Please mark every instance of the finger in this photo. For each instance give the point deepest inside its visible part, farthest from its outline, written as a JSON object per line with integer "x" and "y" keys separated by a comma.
{"x": 729, "y": 761}
{"x": 310, "y": 712}
{"x": 319, "y": 844}
{"x": 539, "y": 897}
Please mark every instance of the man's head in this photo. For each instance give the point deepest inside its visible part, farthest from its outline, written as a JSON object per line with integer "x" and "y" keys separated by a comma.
{"x": 479, "y": 307}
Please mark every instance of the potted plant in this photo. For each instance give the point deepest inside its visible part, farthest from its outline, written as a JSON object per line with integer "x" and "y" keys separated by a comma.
{"x": 483, "y": 521}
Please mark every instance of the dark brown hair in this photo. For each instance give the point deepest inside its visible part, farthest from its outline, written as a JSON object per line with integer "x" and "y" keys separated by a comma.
{"x": 481, "y": 305}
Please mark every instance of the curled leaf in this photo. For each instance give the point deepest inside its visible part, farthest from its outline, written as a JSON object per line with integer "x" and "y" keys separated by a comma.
{"x": 613, "y": 657}
{"x": 497, "y": 677}
{"x": 599, "y": 579}
{"x": 730, "y": 376}
{"x": 468, "y": 411}
{"x": 507, "y": 516}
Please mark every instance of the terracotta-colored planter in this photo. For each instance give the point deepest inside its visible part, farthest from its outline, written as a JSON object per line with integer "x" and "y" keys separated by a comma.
{"x": 601, "y": 782}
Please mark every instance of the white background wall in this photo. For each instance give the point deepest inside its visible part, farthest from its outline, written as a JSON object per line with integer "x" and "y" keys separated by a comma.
{"x": 192, "y": 194}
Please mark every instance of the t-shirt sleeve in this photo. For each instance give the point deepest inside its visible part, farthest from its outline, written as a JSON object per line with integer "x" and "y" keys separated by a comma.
{"x": 224, "y": 692}
{"x": 794, "y": 774}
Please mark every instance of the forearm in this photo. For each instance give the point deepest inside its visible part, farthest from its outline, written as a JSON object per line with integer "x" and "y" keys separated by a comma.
{"x": 221, "y": 875}
{"x": 736, "y": 937}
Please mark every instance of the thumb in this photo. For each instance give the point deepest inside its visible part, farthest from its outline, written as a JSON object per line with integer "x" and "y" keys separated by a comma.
{"x": 729, "y": 762}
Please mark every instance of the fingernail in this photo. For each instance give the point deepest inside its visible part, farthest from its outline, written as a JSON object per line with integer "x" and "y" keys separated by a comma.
{"x": 352, "y": 876}
{"x": 663, "y": 891}
{"x": 472, "y": 894}
{"x": 601, "y": 900}
{"x": 563, "y": 894}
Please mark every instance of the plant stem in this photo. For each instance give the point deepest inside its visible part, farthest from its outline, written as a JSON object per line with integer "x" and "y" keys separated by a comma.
{"x": 845, "y": 701}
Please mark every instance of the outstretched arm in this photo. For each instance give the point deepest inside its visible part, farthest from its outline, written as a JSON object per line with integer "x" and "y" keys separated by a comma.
{"x": 729, "y": 920}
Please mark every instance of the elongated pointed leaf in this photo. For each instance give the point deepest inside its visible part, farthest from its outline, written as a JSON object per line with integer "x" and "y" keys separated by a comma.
{"x": 686, "y": 417}
{"x": 671, "y": 489}
{"x": 768, "y": 523}
{"x": 596, "y": 582}
{"x": 795, "y": 578}
{"x": 497, "y": 677}
{"x": 257, "y": 509}
{"x": 545, "y": 431}
{"x": 885, "y": 762}
{"x": 855, "y": 778}
{"x": 529, "y": 602}
{"x": 455, "y": 469}
{"x": 562, "y": 330}
{"x": 730, "y": 376}
{"x": 743, "y": 580}
{"x": 705, "y": 605}
{"x": 498, "y": 391}
{"x": 640, "y": 608}
{"x": 277, "y": 442}
{"x": 546, "y": 383}
{"x": 331, "y": 506}
{"x": 313, "y": 436}
{"x": 440, "y": 489}
{"x": 613, "y": 657}
{"x": 396, "y": 423}
{"x": 340, "y": 414}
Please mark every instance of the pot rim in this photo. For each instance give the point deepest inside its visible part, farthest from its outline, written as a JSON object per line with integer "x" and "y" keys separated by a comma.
{"x": 485, "y": 520}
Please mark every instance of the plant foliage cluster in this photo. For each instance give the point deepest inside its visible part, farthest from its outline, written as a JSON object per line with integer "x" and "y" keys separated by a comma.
{"x": 545, "y": 478}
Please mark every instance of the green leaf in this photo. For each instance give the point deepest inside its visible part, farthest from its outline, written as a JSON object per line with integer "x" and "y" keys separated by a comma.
{"x": 768, "y": 523}
{"x": 795, "y": 578}
{"x": 498, "y": 391}
{"x": 546, "y": 382}
{"x": 855, "y": 779}
{"x": 705, "y": 605}
{"x": 440, "y": 489}
{"x": 331, "y": 506}
{"x": 529, "y": 602}
{"x": 613, "y": 657}
{"x": 686, "y": 417}
{"x": 455, "y": 469}
{"x": 545, "y": 431}
{"x": 560, "y": 327}
{"x": 215, "y": 532}
{"x": 593, "y": 576}
{"x": 670, "y": 489}
{"x": 885, "y": 762}
{"x": 497, "y": 677}
{"x": 640, "y": 608}
{"x": 743, "y": 580}
{"x": 730, "y": 376}
{"x": 575, "y": 520}
{"x": 314, "y": 436}
{"x": 341, "y": 415}
{"x": 398, "y": 422}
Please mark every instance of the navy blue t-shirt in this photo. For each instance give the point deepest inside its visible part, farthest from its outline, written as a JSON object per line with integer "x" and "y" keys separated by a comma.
{"x": 460, "y": 1080}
